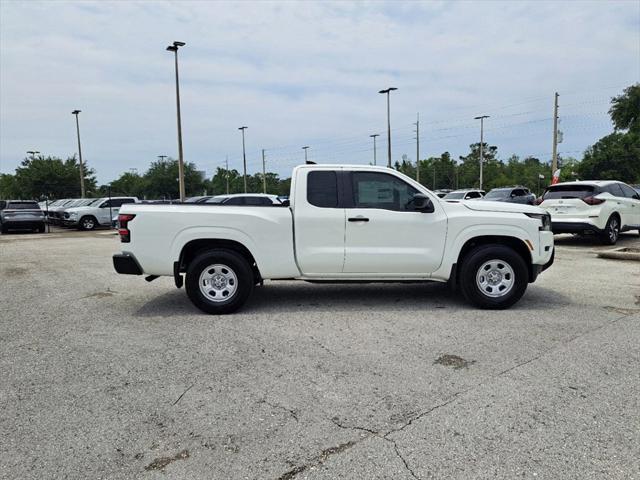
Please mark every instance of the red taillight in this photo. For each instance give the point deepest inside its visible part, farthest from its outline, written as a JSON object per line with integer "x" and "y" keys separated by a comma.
{"x": 539, "y": 200}
{"x": 123, "y": 230}
{"x": 592, "y": 200}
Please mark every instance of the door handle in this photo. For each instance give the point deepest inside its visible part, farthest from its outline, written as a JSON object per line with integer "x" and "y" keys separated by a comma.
{"x": 358, "y": 219}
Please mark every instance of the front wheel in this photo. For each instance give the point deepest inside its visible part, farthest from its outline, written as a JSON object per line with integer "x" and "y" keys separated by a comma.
{"x": 87, "y": 223}
{"x": 611, "y": 232}
{"x": 493, "y": 276}
{"x": 219, "y": 281}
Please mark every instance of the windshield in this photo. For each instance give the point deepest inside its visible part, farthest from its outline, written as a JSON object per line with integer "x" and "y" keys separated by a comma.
{"x": 217, "y": 199}
{"x": 454, "y": 196}
{"x": 499, "y": 193}
{"x": 568, "y": 191}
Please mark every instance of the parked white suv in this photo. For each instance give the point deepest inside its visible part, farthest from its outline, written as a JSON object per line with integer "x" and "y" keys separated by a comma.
{"x": 100, "y": 212}
{"x": 605, "y": 208}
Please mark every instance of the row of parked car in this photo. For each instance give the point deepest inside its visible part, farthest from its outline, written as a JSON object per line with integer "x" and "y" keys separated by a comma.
{"x": 517, "y": 194}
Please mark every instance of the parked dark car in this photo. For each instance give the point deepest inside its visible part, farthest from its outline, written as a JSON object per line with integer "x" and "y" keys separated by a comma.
{"x": 21, "y": 215}
{"x": 511, "y": 195}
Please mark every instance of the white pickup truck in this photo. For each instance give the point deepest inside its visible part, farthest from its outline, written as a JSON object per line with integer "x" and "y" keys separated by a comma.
{"x": 343, "y": 224}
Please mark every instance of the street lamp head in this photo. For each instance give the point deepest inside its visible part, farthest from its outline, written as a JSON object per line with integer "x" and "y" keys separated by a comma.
{"x": 481, "y": 117}
{"x": 304, "y": 148}
{"x": 174, "y": 47}
{"x": 76, "y": 112}
{"x": 242, "y": 128}
{"x": 171, "y": 48}
{"x": 387, "y": 90}
{"x": 375, "y": 135}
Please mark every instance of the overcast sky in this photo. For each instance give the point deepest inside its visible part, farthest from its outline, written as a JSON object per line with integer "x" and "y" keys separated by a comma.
{"x": 304, "y": 73}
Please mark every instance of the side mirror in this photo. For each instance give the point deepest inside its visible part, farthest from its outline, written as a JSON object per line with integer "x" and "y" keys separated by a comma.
{"x": 422, "y": 203}
{"x": 286, "y": 203}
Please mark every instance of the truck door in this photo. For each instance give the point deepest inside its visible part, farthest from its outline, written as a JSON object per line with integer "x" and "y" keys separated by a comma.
{"x": 384, "y": 235}
{"x": 319, "y": 223}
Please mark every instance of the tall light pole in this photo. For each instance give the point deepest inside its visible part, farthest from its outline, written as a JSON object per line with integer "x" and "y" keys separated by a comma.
{"x": 226, "y": 164}
{"x": 481, "y": 118}
{"x": 387, "y": 91}
{"x": 374, "y": 147}
{"x": 82, "y": 192}
{"x": 174, "y": 48}
{"x": 264, "y": 174}
{"x": 554, "y": 155}
{"x": 244, "y": 159}
{"x": 305, "y": 153}
{"x": 417, "y": 124}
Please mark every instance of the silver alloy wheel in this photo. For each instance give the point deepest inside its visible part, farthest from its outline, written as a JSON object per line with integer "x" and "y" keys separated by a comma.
{"x": 218, "y": 283}
{"x": 495, "y": 278}
{"x": 613, "y": 229}
{"x": 87, "y": 223}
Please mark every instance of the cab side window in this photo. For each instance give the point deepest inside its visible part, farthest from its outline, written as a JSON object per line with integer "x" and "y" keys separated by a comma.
{"x": 235, "y": 201}
{"x": 322, "y": 189}
{"x": 381, "y": 190}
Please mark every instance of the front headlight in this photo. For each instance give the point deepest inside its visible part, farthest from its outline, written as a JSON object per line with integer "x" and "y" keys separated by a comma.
{"x": 73, "y": 215}
{"x": 544, "y": 218}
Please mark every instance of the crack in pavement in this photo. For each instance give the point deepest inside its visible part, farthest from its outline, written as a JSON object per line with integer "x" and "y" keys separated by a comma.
{"x": 291, "y": 412}
{"x": 325, "y": 454}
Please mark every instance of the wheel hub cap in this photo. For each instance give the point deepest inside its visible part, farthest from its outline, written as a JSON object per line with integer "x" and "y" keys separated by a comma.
{"x": 218, "y": 283}
{"x": 495, "y": 278}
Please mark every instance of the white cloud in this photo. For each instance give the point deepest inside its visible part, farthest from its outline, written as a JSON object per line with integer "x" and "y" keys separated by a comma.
{"x": 306, "y": 74}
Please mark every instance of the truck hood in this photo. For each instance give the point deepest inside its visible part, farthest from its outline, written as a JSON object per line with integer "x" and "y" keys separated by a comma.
{"x": 77, "y": 209}
{"x": 491, "y": 206}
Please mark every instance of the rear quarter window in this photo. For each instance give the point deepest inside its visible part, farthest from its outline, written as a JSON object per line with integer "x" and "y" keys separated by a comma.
{"x": 322, "y": 189}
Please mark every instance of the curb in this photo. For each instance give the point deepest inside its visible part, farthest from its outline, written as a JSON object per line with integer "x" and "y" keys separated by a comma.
{"x": 624, "y": 253}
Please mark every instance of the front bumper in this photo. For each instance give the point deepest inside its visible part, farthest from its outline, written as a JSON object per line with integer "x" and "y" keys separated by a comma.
{"x": 126, "y": 264}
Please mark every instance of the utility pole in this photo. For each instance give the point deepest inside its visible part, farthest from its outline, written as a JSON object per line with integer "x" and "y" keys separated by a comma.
{"x": 554, "y": 157}
{"x": 417, "y": 124}
{"x": 82, "y": 192}
{"x": 174, "y": 48}
{"x": 387, "y": 91}
{"x": 226, "y": 162}
{"x": 244, "y": 158}
{"x": 374, "y": 147}
{"x": 481, "y": 118}
{"x": 264, "y": 174}
{"x": 305, "y": 153}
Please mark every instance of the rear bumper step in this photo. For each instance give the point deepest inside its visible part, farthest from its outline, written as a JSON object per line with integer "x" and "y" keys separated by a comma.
{"x": 126, "y": 264}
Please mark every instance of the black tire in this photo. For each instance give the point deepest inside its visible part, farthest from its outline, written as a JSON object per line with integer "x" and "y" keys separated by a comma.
{"x": 41, "y": 228}
{"x": 507, "y": 258}
{"x": 236, "y": 264}
{"x": 87, "y": 223}
{"x": 3, "y": 229}
{"x": 611, "y": 232}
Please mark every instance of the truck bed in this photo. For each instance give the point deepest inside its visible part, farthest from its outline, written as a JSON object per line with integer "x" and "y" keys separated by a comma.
{"x": 160, "y": 229}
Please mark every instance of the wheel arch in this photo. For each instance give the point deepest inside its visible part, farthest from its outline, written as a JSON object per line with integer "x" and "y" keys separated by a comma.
{"x": 194, "y": 247}
{"x": 515, "y": 243}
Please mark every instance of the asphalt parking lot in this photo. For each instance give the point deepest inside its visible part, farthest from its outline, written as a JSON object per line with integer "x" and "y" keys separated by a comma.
{"x": 108, "y": 376}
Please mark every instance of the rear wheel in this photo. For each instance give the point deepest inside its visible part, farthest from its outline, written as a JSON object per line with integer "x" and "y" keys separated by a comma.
{"x": 219, "y": 281}
{"x": 611, "y": 232}
{"x": 87, "y": 223}
{"x": 493, "y": 276}
{"x": 41, "y": 228}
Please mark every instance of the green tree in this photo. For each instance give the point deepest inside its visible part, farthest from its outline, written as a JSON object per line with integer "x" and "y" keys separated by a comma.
{"x": 469, "y": 169}
{"x": 40, "y": 177}
{"x": 617, "y": 155}
{"x": 625, "y": 109}
{"x": 129, "y": 183}
{"x": 8, "y": 186}
{"x": 161, "y": 180}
